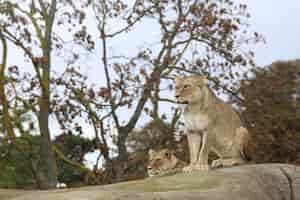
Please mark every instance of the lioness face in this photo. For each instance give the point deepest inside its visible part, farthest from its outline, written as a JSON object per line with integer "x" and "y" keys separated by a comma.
{"x": 188, "y": 89}
{"x": 161, "y": 161}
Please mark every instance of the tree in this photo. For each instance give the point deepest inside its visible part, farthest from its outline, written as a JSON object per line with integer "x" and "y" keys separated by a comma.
{"x": 271, "y": 110}
{"x": 29, "y": 26}
{"x": 216, "y": 28}
{"x": 81, "y": 102}
{"x": 42, "y": 67}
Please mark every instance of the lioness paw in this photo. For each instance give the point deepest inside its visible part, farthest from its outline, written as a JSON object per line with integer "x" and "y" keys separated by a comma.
{"x": 217, "y": 163}
{"x": 201, "y": 167}
{"x": 232, "y": 162}
{"x": 188, "y": 168}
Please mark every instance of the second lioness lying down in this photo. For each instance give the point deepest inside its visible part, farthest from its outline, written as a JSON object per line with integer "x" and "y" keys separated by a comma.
{"x": 162, "y": 162}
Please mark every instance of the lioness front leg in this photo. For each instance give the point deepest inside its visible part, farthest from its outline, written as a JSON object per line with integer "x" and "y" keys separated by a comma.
{"x": 194, "y": 143}
{"x": 202, "y": 163}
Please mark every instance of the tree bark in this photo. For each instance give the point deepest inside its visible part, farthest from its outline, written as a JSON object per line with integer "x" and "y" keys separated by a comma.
{"x": 121, "y": 161}
{"x": 47, "y": 157}
{"x": 7, "y": 124}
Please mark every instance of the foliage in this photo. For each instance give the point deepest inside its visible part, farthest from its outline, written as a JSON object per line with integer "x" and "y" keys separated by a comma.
{"x": 74, "y": 148}
{"x": 271, "y": 110}
{"x": 154, "y": 135}
{"x": 17, "y": 162}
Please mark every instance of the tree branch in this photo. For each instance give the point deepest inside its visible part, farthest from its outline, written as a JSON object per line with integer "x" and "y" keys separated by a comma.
{"x": 107, "y": 75}
{"x": 12, "y": 38}
{"x": 6, "y": 116}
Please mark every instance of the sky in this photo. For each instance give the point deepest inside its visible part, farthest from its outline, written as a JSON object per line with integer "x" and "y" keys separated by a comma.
{"x": 278, "y": 21}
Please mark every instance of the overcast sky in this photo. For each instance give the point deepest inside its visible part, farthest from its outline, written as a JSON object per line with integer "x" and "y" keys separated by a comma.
{"x": 279, "y": 22}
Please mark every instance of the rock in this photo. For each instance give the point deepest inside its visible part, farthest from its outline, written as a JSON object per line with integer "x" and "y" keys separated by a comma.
{"x": 257, "y": 182}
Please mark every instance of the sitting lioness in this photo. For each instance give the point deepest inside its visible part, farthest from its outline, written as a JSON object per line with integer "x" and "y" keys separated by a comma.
{"x": 211, "y": 125}
{"x": 163, "y": 161}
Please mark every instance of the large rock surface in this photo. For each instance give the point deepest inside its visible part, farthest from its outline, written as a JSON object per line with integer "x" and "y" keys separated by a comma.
{"x": 257, "y": 182}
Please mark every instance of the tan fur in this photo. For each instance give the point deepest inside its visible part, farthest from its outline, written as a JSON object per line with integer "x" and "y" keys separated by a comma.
{"x": 211, "y": 125}
{"x": 163, "y": 160}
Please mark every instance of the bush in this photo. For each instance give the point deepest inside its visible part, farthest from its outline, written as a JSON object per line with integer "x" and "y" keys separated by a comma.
{"x": 17, "y": 162}
{"x": 271, "y": 110}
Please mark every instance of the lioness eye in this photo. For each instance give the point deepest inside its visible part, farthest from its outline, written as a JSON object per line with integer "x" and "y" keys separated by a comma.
{"x": 186, "y": 86}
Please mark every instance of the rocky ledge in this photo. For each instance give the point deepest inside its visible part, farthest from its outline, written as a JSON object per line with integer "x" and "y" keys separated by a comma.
{"x": 257, "y": 182}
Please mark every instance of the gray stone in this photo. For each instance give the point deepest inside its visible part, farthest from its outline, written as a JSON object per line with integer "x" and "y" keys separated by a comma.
{"x": 257, "y": 182}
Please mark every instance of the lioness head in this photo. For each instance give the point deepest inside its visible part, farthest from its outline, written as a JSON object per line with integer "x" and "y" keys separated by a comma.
{"x": 161, "y": 161}
{"x": 190, "y": 89}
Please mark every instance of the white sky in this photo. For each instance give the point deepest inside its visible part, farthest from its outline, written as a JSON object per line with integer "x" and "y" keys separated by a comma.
{"x": 279, "y": 22}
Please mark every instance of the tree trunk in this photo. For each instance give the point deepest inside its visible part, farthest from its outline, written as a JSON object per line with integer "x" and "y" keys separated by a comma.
{"x": 120, "y": 164}
{"x": 7, "y": 124}
{"x": 47, "y": 159}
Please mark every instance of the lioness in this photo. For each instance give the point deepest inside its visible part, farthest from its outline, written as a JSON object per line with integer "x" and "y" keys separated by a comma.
{"x": 163, "y": 161}
{"x": 211, "y": 125}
